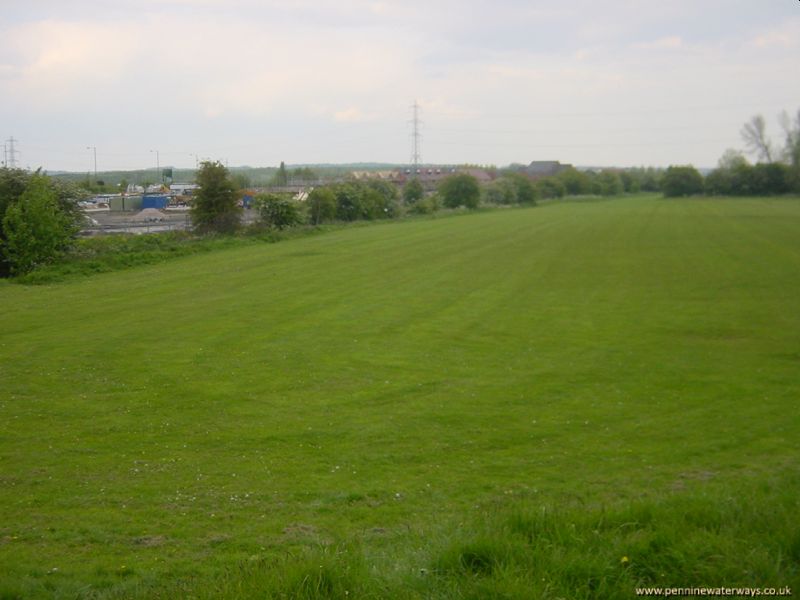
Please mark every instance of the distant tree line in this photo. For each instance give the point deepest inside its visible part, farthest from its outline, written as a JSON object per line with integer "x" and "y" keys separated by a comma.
{"x": 216, "y": 208}
{"x": 777, "y": 170}
{"x": 606, "y": 182}
{"x": 284, "y": 176}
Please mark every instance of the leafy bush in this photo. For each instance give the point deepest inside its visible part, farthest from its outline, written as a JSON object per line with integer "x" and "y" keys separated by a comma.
{"x": 682, "y": 181}
{"x": 550, "y": 187}
{"x": 36, "y": 230}
{"x": 356, "y": 200}
{"x": 427, "y": 205}
{"x": 649, "y": 178}
{"x": 413, "y": 191}
{"x": 608, "y": 183}
{"x": 351, "y": 204}
{"x": 771, "y": 178}
{"x": 385, "y": 198}
{"x": 321, "y": 205}
{"x": 525, "y": 191}
{"x": 735, "y": 177}
{"x": 14, "y": 183}
{"x": 277, "y": 211}
{"x": 575, "y": 182}
{"x": 630, "y": 182}
{"x": 461, "y": 189}
{"x": 500, "y": 191}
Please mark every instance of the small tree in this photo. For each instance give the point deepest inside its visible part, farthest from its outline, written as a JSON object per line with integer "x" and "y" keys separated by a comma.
{"x": 281, "y": 177}
{"x": 630, "y": 184}
{"x": 720, "y": 182}
{"x": 649, "y": 178}
{"x": 350, "y": 205}
{"x": 550, "y": 187}
{"x": 428, "y": 205}
{"x": 321, "y": 205}
{"x": 461, "y": 189}
{"x": 525, "y": 192}
{"x": 772, "y": 178}
{"x": 682, "y": 181}
{"x": 371, "y": 202}
{"x": 384, "y": 198}
{"x": 413, "y": 191}
{"x": 791, "y": 150}
{"x": 755, "y": 138}
{"x": 500, "y": 191}
{"x": 35, "y": 229}
{"x": 304, "y": 174}
{"x": 277, "y": 211}
{"x": 575, "y": 182}
{"x": 608, "y": 183}
{"x": 215, "y": 205}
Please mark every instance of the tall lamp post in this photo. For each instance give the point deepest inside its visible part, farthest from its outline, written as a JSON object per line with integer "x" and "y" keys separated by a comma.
{"x": 94, "y": 149}
{"x": 158, "y": 166}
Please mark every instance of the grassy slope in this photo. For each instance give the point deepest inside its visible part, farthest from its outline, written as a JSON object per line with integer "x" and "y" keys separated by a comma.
{"x": 176, "y": 418}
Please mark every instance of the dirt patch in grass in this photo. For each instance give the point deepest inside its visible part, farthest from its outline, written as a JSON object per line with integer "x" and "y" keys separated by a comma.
{"x": 150, "y": 541}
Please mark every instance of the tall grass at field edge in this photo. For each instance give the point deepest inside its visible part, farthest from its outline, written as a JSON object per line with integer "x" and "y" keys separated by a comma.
{"x": 109, "y": 253}
{"x": 732, "y": 535}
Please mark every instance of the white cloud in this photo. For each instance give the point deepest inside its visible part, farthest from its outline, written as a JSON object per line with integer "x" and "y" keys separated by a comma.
{"x": 664, "y": 43}
{"x": 307, "y": 73}
{"x": 783, "y": 37}
{"x": 353, "y": 115}
{"x": 210, "y": 66}
{"x": 59, "y": 60}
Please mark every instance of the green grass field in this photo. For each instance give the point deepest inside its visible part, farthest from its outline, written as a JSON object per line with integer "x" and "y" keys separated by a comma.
{"x": 393, "y": 401}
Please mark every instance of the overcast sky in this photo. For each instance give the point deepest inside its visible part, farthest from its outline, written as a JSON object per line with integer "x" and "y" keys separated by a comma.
{"x": 607, "y": 83}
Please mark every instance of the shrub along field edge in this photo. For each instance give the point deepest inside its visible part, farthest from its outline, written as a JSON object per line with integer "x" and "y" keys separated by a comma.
{"x": 108, "y": 253}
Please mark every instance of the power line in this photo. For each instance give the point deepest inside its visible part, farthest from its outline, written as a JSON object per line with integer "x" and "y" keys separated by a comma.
{"x": 561, "y": 131}
{"x": 612, "y": 113}
{"x": 523, "y": 144}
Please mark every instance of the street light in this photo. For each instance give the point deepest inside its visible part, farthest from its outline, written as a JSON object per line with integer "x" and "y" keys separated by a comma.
{"x": 94, "y": 148}
{"x": 158, "y": 165}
